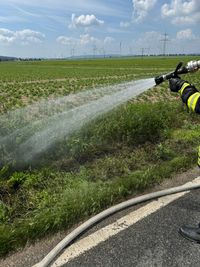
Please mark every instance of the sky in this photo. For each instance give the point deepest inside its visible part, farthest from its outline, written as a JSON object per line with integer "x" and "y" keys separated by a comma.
{"x": 64, "y": 28}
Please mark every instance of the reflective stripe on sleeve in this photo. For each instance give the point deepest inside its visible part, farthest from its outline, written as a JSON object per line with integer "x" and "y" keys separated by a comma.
{"x": 183, "y": 87}
{"x": 192, "y": 100}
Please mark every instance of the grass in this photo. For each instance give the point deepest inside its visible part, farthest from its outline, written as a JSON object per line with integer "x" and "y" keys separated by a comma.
{"x": 117, "y": 156}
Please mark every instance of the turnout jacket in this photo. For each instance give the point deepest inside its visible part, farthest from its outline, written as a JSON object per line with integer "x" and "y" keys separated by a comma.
{"x": 191, "y": 97}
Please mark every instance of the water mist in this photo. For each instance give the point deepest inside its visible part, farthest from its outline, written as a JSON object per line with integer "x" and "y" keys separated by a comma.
{"x": 28, "y": 132}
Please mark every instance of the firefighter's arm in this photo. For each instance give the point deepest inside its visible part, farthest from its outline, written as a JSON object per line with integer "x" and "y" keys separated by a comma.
{"x": 189, "y": 94}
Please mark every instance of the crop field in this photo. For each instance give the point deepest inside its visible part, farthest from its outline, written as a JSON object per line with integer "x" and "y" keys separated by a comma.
{"x": 23, "y": 83}
{"x": 113, "y": 157}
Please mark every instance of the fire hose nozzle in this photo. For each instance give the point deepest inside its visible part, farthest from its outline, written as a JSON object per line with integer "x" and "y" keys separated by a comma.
{"x": 193, "y": 65}
{"x": 159, "y": 79}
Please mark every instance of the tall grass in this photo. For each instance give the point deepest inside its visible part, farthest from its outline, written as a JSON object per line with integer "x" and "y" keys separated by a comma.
{"x": 115, "y": 157}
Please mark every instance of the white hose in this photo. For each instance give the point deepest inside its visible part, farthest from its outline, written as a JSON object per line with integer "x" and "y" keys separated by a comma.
{"x": 88, "y": 224}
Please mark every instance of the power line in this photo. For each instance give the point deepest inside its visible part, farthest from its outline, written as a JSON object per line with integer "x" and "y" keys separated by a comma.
{"x": 72, "y": 52}
{"x": 94, "y": 48}
{"x": 145, "y": 51}
{"x": 165, "y": 40}
{"x": 142, "y": 51}
{"x": 120, "y": 48}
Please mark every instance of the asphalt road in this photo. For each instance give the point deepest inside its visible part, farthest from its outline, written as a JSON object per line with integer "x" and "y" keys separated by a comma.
{"x": 153, "y": 241}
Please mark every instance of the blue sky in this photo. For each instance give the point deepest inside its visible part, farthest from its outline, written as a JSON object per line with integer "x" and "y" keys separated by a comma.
{"x": 61, "y": 28}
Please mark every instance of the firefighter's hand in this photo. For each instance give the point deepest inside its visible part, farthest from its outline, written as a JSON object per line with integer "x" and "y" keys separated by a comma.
{"x": 175, "y": 84}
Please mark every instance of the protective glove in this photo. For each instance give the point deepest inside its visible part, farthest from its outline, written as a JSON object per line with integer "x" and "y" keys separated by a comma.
{"x": 175, "y": 84}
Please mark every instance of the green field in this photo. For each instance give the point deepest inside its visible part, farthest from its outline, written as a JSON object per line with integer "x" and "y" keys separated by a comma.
{"x": 120, "y": 154}
{"x": 25, "y": 82}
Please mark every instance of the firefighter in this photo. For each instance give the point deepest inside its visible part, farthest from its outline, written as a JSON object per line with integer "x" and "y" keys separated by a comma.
{"x": 191, "y": 97}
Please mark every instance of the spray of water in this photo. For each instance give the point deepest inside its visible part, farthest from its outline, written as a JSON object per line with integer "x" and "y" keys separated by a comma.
{"x": 30, "y": 131}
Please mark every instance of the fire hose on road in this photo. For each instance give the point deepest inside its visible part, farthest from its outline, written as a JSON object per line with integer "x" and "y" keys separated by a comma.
{"x": 108, "y": 212}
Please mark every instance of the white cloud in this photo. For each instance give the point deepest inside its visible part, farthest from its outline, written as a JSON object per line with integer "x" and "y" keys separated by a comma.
{"x": 149, "y": 38}
{"x": 64, "y": 40}
{"x": 24, "y": 37}
{"x": 84, "y": 40}
{"x": 29, "y": 36}
{"x": 85, "y": 21}
{"x": 185, "y": 35}
{"x": 141, "y": 8}
{"x": 148, "y": 43}
{"x": 87, "y": 39}
{"x": 108, "y": 40}
{"x": 125, "y": 24}
{"x": 182, "y": 12}
{"x": 6, "y": 32}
